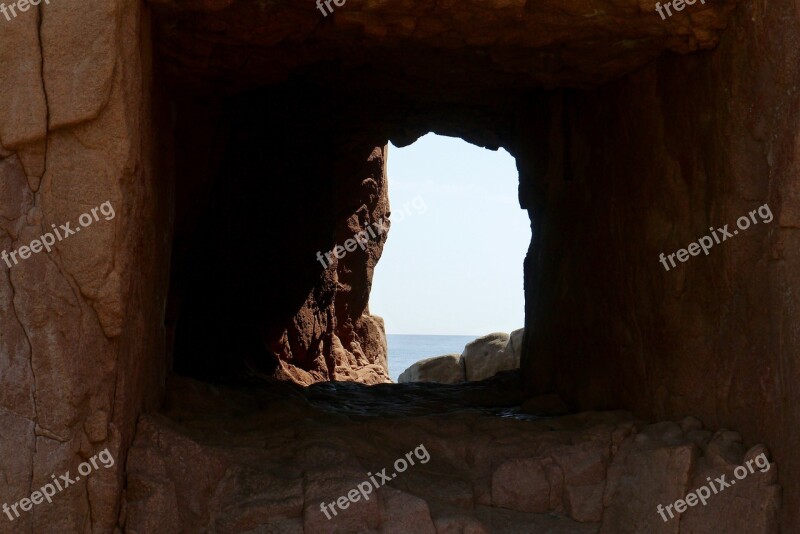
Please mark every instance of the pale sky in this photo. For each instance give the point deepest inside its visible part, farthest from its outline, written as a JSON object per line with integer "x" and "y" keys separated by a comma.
{"x": 452, "y": 264}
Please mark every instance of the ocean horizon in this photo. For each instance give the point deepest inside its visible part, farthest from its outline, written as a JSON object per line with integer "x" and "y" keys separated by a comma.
{"x": 407, "y": 349}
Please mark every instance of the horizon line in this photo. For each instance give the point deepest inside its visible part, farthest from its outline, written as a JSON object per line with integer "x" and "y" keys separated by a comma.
{"x": 459, "y": 335}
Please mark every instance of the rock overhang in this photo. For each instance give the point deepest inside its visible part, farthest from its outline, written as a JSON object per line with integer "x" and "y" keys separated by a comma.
{"x": 423, "y": 47}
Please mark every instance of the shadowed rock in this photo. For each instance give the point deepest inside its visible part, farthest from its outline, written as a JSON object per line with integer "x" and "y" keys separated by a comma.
{"x": 267, "y": 458}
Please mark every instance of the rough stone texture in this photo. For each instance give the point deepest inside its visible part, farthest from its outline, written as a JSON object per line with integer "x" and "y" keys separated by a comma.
{"x": 735, "y": 506}
{"x": 291, "y": 312}
{"x": 80, "y": 342}
{"x": 521, "y": 485}
{"x": 403, "y": 513}
{"x": 479, "y": 44}
{"x": 678, "y": 463}
{"x": 447, "y": 369}
{"x": 645, "y": 166}
{"x": 612, "y": 176}
{"x": 229, "y": 461}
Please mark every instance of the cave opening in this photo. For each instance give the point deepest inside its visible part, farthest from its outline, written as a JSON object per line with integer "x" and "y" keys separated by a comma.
{"x": 279, "y": 157}
{"x": 451, "y": 269}
{"x": 280, "y": 119}
{"x": 272, "y": 185}
{"x": 242, "y": 144}
{"x": 275, "y": 122}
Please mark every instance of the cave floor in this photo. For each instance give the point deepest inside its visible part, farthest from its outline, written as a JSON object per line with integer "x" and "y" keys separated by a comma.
{"x": 265, "y": 460}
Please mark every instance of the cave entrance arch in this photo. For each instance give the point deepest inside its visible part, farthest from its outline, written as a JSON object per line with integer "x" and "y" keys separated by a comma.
{"x": 451, "y": 269}
{"x": 285, "y": 177}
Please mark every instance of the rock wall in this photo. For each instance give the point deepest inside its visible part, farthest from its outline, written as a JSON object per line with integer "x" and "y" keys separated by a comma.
{"x": 645, "y": 166}
{"x": 190, "y": 471}
{"x": 614, "y": 176}
{"x": 268, "y": 279}
{"x": 79, "y": 334}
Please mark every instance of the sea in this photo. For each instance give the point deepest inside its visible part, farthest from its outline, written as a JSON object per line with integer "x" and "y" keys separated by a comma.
{"x": 405, "y": 350}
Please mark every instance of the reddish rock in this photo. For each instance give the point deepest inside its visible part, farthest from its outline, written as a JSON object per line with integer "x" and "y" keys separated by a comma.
{"x": 639, "y": 479}
{"x": 255, "y": 468}
{"x": 622, "y": 155}
{"x": 402, "y": 513}
{"x": 645, "y": 166}
{"x": 521, "y": 485}
{"x": 583, "y": 468}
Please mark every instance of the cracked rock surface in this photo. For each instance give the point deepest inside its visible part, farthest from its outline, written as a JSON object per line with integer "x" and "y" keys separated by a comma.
{"x": 229, "y": 461}
{"x": 624, "y": 150}
{"x": 72, "y": 136}
{"x": 467, "y": 45}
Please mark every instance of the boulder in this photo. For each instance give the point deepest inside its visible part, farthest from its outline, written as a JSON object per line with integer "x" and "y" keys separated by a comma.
{"x": 515, "y": 344}
{"x": 490, "y": 354}
{"x": 447, "y": 369}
